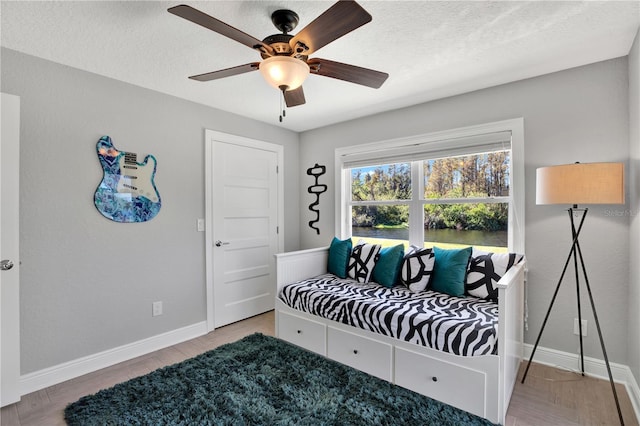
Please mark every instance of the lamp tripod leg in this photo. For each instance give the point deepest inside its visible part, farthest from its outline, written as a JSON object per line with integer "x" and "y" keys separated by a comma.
{"x": 553, "y": 299}
{"x": 604, "y": 351}
{"x": 572, "y": 252}
{"x": 575, "y": 265}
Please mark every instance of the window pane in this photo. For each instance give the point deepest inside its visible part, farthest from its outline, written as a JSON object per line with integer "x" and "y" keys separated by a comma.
{"x": 380, "y": 183}
{"x": 386, "y": 225}
{"x": 482, "y": 224}
{"x": 471, "y": 176}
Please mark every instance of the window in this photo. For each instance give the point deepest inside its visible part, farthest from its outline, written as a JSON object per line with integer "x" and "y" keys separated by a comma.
{"x": 458, "y": 188}
{"x": 380, "y": 200}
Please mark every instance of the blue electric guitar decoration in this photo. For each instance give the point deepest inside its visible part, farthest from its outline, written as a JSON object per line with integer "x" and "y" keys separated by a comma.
{"x": 127, "y": 192}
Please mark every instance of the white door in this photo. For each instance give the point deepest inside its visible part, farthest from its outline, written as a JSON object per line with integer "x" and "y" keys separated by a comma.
{"x": 9, "y": 270}
{"x": 244, "y": 236}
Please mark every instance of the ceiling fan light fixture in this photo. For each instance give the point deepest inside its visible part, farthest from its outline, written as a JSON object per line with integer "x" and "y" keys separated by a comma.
{"x": 285, "y": 71}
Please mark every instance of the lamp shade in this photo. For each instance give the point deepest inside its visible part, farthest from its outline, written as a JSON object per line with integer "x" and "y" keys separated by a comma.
{"x": 284, "y": 71}
{"x": 580, "y": 183}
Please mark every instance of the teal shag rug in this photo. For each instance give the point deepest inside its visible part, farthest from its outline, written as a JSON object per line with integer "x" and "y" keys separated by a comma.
{"x": 261, "y": 380}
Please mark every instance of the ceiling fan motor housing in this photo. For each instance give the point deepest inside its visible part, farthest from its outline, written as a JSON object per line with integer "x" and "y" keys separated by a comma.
{"x": 279, "y": 43}
{"x": 281, "y": 46}
{"x": 285, "y": 20}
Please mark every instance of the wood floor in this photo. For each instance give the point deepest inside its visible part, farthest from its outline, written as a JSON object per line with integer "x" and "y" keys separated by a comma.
{"x": 549, "y": 396}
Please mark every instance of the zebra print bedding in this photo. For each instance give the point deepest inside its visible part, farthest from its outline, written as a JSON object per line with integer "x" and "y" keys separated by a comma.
{"x": 461, "y": 326}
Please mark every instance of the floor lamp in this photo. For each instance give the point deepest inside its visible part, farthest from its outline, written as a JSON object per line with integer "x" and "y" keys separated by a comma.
{"x": 573, "y": 184}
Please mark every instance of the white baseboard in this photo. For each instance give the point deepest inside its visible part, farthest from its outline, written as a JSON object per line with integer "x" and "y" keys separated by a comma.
{"x": 592, "y": 366}
{"x": 50, "y": 376}
{"x": 634, "y": 394}
{"x": 41, "y": 379}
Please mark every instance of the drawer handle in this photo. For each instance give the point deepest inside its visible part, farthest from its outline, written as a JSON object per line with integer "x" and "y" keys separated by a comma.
{"x": 355, "y": 352}
{"x": 299, "y": 331}
{"x": 434, "y": 378}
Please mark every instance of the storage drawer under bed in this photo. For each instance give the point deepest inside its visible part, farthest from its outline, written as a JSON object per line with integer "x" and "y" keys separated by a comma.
{"x": 303, "y": 332}
{"x": 368, "y": 355}
{"x": 453, "y": 384}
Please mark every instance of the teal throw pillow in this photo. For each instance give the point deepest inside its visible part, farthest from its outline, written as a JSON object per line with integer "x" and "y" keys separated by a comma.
{"x": 339, "y": 253}
{"x": 450, "y": 271}
{"x": 388, "y": 266}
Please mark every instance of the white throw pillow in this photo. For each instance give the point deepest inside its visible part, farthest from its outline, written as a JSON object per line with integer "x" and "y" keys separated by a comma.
{"x": 417, "y": 268}
{"x": 485, "y": 270}
{"x": 362, "y": 261}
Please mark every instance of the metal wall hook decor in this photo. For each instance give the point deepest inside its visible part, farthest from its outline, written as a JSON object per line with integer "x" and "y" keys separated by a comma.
{"x": 317, "y": 189}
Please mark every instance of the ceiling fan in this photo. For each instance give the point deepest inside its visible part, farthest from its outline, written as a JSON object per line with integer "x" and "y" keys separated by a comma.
{"x": 286, "y": 63}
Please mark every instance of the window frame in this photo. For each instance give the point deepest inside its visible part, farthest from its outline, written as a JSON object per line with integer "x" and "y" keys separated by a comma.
{"x": 450, "y": 143}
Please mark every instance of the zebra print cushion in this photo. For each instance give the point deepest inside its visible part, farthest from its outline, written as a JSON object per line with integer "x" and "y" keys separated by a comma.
{"x": 485, "y": 270}
{"x": 461, "y": 326}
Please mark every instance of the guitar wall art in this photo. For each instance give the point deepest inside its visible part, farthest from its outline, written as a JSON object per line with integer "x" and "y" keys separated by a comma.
{"x": 127, "y": 192}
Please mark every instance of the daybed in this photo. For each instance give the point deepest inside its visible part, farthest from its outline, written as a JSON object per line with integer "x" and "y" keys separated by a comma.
{"x": 478, "y": 378}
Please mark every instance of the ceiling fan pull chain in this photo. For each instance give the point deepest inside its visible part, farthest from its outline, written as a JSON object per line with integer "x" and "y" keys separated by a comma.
{"x": 284, "y": 113}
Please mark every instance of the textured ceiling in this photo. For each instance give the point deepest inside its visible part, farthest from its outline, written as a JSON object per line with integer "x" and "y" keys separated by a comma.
{"x": 430, "y": 49}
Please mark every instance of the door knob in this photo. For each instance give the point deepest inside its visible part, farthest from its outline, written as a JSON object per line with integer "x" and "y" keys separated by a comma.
{"x": 221, "y": 243}
{"x": 5, "y": 265}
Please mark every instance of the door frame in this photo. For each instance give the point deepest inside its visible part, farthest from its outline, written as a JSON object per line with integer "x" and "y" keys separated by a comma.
{"x": 210, "y": 138}
{"x": 10, "y": 290}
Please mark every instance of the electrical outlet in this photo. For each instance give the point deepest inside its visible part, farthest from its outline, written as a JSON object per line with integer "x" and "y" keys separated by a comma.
{"x": 156, "y": 309}
{"x": 576, "y": 329}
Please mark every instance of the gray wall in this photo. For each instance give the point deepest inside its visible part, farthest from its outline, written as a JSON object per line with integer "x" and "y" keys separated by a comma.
{"x": 634, "y": 208}
{"x": 87, "y": 282}
{"x": 575, "y": 115}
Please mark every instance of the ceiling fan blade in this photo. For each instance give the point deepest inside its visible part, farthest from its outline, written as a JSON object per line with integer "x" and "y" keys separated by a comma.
{"x": 340, "y": 19}
{"x": 227, "y": 72}
{"x": 346, "y": 72}
{"x": 294, "y": 97}
{"x": 209, "y": 22}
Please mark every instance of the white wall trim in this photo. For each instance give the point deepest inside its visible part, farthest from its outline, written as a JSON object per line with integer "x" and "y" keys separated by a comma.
{"x": 50, "y": 376}
{"x": 634, "y": 393}
{"x": 592, "y": 367}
